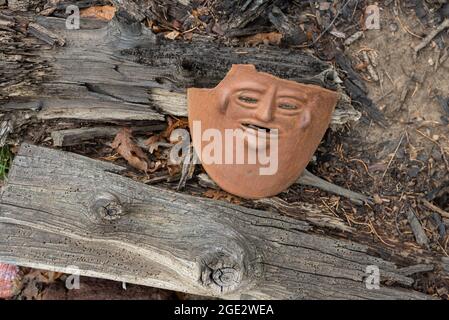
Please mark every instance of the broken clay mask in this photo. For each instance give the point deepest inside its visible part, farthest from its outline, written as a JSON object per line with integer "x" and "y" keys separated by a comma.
{"x": 254, "y": 133}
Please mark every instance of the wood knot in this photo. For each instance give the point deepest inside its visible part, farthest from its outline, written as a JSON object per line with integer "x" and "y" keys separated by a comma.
{"x": 106, "y": 206}
{"x": 226, "y": 277}
{"x": 222, "y": 272}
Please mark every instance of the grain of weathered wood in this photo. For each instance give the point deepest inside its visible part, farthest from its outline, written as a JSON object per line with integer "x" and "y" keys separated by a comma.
{"x": 122, "y": 72}
{"x": 71, "y": 137}
{"x": 55, "y": 213}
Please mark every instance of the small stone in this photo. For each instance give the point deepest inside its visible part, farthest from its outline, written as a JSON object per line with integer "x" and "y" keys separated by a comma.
{"x": 435, "y": 137}
{"x": 430, "y": 61}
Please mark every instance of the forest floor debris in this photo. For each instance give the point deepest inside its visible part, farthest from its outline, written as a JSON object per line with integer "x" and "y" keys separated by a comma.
{"x": 398, "y": 153}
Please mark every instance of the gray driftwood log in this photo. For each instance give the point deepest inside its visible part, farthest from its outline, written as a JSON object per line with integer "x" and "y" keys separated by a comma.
{"x": 123, "y": 72}
{"x": 110, "y": 226}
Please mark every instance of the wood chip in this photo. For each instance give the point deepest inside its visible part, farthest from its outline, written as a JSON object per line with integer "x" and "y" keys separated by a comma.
{"x": 45, "y": 35}
{"x": 418, "y": 231}
{"x": 98, "y": 12}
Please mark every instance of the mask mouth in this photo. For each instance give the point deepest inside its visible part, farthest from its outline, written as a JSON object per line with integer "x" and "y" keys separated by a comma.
{"x": 246, "y": 126}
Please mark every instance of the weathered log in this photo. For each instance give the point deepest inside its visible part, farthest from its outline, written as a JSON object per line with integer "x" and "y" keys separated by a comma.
{"x": 122, "y": 72}
{"x": 110, "y": 226}
{"x": 292, "y": 33}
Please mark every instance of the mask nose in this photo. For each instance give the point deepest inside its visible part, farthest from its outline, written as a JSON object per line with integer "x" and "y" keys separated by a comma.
{"x": 266, "y": 106}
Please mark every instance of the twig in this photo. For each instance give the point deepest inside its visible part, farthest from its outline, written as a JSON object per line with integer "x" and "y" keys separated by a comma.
{"x": 418, "y": 231}
{"x": 373, "y": 230}
{"x": 384, "y": 95}
{"x": 309, "y": 179}
{"x": 407, "y": 29}
{"x": 444, "y": 25}
{"x": 393, "y": 156}
{"x": 433, "y": 207}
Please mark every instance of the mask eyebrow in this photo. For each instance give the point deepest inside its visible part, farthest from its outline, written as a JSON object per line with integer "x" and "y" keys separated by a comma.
{"x": 299, "y": 98}
{"x": 251, "y": 86}
{"x": 295, "y": 94}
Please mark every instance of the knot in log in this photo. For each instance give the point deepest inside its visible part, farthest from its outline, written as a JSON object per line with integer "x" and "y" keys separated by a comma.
{"x": 106, "y": 206}
{"x": 225, "y": 277}
{"x": 222, "y": 272}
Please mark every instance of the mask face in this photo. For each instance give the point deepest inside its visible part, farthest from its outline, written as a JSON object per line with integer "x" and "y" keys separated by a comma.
{"x": 255, "y": 133}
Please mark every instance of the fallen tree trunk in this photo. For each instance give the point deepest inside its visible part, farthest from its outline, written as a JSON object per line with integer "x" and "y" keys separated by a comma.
{"x": 110, "y": 226}
{"x": 122, "y": 72}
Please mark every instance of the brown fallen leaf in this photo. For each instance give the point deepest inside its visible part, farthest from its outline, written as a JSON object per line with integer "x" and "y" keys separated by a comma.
{"x": 221, "y": 195}
{"x": 173, "y": 169}
{"x": 155, "y": 166}
{"x": 177, "y": 25}
{"x": 200, "y": 11}
{"x": 152, "y": 140}
{"x": 43, "y": 276}
{"x": 124, "y": 144}
{"x": 188, "y": 36}
{"x": 266, "y": 38}
{"x": 174, "y": 124}
{"x": 172, "y": 35}
{"x": 361, "y": 66}
{"x": 98, "y": 12}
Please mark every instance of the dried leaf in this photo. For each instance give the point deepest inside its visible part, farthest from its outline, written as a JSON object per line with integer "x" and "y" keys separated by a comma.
{"x": 200, "y": 11}
{"x": 174, "y": 124}
{"x": 151, "y": 142}
{"x": 361, "y": 66}
{"x": 124, "y": 144}
{"x": 155, "y": 166}
{"x": 43, "y": 276}
{"x": 173, "y": 169}
{"x": 221, "y": 195}
{"x": 98, "y": 12}
{"x": 172, "y": 35}
{"x": 266, "y": 38}
{"x": 177, "y": 25}
{"x": 188, "y": 36}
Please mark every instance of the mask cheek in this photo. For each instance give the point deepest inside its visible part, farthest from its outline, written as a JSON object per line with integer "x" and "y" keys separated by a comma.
{"x": 223, "y": 97}
{"x": 305, "y": 119}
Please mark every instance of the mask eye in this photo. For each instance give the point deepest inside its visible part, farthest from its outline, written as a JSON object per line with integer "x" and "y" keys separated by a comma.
{"x": 288, "y": 106}
{"x": 247, "y": 99}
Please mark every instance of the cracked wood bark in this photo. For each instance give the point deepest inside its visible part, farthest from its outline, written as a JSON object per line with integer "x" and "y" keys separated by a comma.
{"x": 121, "y": 72}
{"x": 110, "y": 226}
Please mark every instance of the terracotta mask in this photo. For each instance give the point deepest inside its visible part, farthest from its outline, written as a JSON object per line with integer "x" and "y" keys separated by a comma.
{"x": 255, "y": 133}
